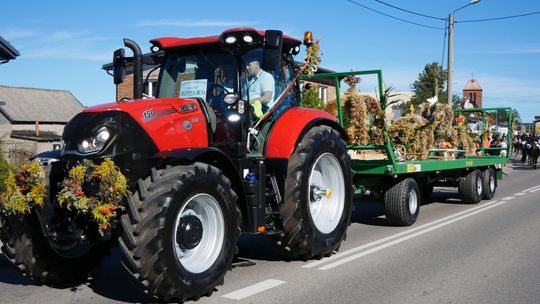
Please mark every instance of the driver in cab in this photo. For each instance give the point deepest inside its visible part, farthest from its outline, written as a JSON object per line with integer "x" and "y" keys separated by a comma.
{"x": 261, "y": 88}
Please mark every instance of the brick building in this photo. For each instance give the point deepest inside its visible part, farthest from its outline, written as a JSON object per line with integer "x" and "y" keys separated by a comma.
{"x": 473, "y": 91}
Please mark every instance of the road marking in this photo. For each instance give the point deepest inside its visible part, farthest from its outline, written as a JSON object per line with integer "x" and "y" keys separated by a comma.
{"x": 375, "y": 249}
{"x": 507, "y": 198}
{"x": 253, "y": 289}
{"x": 537, "y": 189}
{"x": 383, "y": 240}
{"x": 520, "y": 194}
{"x": 531, "y": 188}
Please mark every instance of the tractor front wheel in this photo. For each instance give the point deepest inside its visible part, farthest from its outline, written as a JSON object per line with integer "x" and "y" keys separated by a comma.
{"x": 180, "y": 231}
{"x": 47, "y": 261}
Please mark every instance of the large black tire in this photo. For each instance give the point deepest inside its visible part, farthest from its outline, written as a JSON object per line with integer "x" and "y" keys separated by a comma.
{"x": 312, "y": 229}
{"x": 26, "y": 247}
{"x": 489, "y": 183}
{"x": 471, "y": 188}
{"x": 157, "y": 253}
{"x": 402, "y": 203}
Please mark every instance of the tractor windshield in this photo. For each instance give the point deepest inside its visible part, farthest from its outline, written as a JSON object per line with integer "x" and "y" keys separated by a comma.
{"x": 206, "y": 74}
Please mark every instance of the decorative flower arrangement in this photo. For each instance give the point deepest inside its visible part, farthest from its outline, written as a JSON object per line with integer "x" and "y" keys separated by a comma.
{"x": 352, "y": 81}
{"x": 24, "y": 189}
{"x": 107, "y": 185}
{"x": 312, "y": 59}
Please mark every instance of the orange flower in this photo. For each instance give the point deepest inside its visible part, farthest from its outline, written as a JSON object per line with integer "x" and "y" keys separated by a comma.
{"x": 103, "y": 227}
{"x": 79, "y": 192}
{"x": 113, "y": 207}
{"x": 105, "y": 210}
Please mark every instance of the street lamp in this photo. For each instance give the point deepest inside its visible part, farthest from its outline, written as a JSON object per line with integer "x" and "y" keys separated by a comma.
{"x": 451, "y": 48}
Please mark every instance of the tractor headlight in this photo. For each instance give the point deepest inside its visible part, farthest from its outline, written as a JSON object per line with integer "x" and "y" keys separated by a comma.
{"x": 94, "y": 143}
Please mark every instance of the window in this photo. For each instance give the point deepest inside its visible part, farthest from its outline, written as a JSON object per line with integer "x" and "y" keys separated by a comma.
{"x": 323, "y": 93}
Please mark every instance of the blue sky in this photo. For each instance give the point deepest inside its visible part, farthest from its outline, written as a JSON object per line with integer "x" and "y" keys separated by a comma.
{"x": 63, "y": 44}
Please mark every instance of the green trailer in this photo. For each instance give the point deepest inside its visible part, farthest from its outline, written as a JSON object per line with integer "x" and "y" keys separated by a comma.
{"x": 403, "y": 184}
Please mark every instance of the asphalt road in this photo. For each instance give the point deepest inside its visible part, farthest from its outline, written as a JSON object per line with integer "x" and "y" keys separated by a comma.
{"x": 454, "y": 253}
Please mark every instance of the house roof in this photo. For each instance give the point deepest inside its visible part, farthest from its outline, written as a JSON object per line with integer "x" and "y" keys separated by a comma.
{"x": 44, "y": 136}
{"x": 26, "y": 105}
{"x": 7, "y": 51}
{"x": 472, "y": 85}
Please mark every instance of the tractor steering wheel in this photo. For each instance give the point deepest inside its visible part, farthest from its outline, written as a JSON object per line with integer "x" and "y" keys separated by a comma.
{"x": 222, "y": 92}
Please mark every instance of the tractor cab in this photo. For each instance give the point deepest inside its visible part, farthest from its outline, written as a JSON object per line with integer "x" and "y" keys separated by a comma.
{"x": 227, "y": 74}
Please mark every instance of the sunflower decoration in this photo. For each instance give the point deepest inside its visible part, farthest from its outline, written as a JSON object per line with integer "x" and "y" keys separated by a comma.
{"x": 95, "y": 191}
{"x": 24, "y": 189}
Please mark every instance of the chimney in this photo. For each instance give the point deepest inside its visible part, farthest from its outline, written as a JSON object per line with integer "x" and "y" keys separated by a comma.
{"x": 37, "y": 128}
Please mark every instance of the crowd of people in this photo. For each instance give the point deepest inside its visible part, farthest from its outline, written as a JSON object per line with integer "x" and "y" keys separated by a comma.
{"x": 526, "y": 146}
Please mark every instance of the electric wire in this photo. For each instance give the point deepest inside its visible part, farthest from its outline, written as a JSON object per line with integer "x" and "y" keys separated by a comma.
{"x": 390, "y": 16}
{"x": 498, "y": 18}
{"x": 408, "y": 11}
{"x": 444, "y": 41}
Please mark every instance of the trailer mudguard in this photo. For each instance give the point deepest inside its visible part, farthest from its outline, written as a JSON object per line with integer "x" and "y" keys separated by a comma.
{"x": 292, "y": 125}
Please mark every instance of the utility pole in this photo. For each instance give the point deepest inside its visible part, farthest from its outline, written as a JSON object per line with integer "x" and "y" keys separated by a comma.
{"x": 450, "y": 57}
{"x": 451, "y": 49}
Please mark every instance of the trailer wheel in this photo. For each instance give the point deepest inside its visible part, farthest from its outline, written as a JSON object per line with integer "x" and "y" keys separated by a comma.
{"x": 471, "y": 188}
{"x": 317, "y": 205}
{"x": 489, "y": 183}
{"x": 181, "y": 231}
{"x": 402, "y": 203}
{"x": 27, "y": 248}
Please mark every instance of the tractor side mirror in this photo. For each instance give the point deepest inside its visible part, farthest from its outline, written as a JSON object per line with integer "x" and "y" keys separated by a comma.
{"x": 273, "y": 45}
{"x": 305, "y": 87}
{"x": 119, "y": 66}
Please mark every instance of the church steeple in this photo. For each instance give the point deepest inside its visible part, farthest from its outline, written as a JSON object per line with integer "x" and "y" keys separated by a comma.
{"x": 473, "y": 92}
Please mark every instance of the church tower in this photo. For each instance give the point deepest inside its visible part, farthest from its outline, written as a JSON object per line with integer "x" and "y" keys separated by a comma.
{"x": 473, "y": 92}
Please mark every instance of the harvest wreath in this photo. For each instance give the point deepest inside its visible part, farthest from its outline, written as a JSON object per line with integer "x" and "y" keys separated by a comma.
{"x": 26, "y": 189}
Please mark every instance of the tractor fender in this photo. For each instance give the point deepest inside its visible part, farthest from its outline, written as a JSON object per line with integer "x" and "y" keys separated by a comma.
{"x": 291, "y": 127}
{"x": 210, "y": 156}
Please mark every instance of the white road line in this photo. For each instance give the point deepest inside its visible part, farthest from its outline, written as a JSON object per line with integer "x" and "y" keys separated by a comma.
{"x": 537, "y": 189}
{"x": 383, "y": 240}
{"x": 520, "y": 194}
{"x": 531, "y": 188}
{"x": 375, "y": 249}
{"x": 253, "y": 289}
{"x": 507, "y": 198}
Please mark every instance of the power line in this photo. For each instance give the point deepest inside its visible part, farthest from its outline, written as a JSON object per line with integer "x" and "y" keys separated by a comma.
{"x": 390, "y": 16}
{"x": 499, "y": 18}
{"x": 410, "y": 12}
{"x": 444, "y": 41}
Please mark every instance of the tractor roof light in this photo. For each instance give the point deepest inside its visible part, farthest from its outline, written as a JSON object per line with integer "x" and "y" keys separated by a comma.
{"x": 230, "y": 40}
{"x": 248, "y": 39}
{"x": 155, "y": 48}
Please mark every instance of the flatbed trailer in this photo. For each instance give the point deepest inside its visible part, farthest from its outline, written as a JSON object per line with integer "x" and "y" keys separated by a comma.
{"x": 404, "y": 184}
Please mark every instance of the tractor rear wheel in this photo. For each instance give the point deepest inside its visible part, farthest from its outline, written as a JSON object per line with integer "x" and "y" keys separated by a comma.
{"x": 180, "y": 231}
{"x": 317, "y": 205}
{"x": 471, "y": 188}
{"x": 44, "y": 260}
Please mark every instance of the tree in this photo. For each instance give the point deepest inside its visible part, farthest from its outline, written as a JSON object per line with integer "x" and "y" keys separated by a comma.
{"x": 5, "y": 167}
{"x": 311, "y": 99}
{"x": 432, "y": 79}
{"x": 516, "y": 119}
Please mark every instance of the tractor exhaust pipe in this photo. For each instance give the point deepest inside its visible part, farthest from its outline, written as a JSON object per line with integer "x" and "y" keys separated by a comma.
{"x": 137, "y": 68}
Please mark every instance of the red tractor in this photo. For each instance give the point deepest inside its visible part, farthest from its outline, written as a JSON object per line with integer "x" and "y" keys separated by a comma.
{"x": 202, "y": 168}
